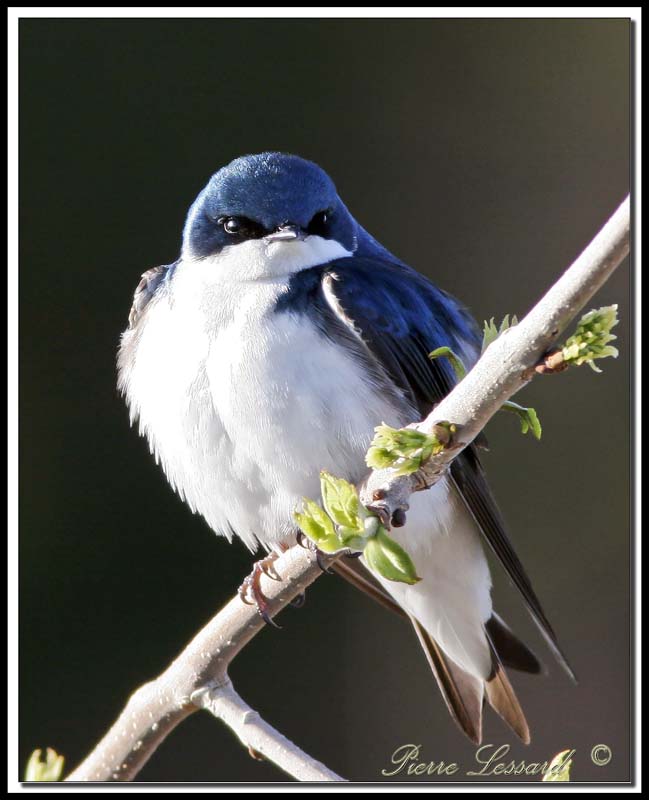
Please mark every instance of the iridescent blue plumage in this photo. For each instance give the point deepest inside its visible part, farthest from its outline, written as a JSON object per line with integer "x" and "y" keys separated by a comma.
{"x": 268, "y": 189}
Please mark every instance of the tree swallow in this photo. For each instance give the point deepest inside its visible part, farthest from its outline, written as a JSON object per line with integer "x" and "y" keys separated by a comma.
{"x": 269, "y": 351}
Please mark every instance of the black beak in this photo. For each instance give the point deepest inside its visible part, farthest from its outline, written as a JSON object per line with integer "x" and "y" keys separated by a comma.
{"x": 287, "y": 233}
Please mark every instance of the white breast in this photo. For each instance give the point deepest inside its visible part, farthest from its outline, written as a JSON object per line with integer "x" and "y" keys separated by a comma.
{"x": 243, "y": 407}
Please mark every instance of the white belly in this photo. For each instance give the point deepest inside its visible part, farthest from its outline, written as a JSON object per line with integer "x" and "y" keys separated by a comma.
{"x": 243, "y": 407}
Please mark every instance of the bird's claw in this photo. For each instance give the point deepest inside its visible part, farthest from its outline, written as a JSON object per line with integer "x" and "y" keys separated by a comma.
{"x": 307, "y": 544}
{"x": 250, "y": 590}
{"x": 318, "y": 557}
{"x": 299, "y": 600}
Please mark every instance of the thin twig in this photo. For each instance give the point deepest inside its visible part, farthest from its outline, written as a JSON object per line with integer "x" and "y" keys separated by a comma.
{"x": 198, "y": 677}
{"x": 225, "y": 704}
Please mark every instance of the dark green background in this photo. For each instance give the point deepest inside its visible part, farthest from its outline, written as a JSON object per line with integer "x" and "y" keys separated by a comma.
{"x": 484, "y": 153}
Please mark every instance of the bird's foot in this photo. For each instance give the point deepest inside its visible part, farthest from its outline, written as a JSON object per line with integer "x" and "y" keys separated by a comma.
{"x": 250, "y": 590}
{"x": 307, "y": 544}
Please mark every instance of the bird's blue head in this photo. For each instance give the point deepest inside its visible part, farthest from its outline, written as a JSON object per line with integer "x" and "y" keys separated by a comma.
{"x": 270, "y": 196}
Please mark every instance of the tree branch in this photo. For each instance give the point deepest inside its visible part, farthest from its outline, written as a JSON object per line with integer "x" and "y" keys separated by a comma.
{"x": 198, "y": 677}
{"x": 225, "y": 704}
{"x": 507, "y": 365}
{"x": 156, "y": 708}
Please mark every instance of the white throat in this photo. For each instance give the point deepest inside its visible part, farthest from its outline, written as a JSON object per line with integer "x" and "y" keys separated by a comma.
{"x": 260, "y": 259}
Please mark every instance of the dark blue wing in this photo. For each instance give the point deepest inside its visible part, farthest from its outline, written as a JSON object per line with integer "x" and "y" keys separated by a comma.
{"x": 151, "y": 280}
{"x": 401, "y": 317}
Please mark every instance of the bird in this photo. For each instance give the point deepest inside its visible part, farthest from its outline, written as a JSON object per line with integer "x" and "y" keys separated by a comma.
{"x": 268, "y": 351}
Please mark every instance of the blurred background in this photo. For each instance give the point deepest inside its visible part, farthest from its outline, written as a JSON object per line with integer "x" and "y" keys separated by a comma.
{"x": 484, "y": 153}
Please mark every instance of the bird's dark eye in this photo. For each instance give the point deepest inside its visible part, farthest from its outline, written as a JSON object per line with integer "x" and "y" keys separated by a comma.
{"x": 319, "y": 222}
{"x": 241, "y": 227}
{"x": 232, "y": 226}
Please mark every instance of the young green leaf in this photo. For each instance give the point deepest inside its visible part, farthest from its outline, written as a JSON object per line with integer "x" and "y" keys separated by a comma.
{"x": 341, "y": 501}
{"x": 528, "y": 417}
{"x": 49, "y": 770}
{"x": 379, "y": 457}
{"x": 454, "y": 360}
{"x": 592, "y": 338}
{"x": 404, "y": 450}
{"x": 491, "y": 332}
{"x": 351, "y": 539}
{"x": 316, "y": 525}
{"x": 385, "y": 557}
{"x": 345, "y": 524}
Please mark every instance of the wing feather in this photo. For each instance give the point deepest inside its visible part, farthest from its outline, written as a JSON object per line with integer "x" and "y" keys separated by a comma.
{"x": 401, "y": 317}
